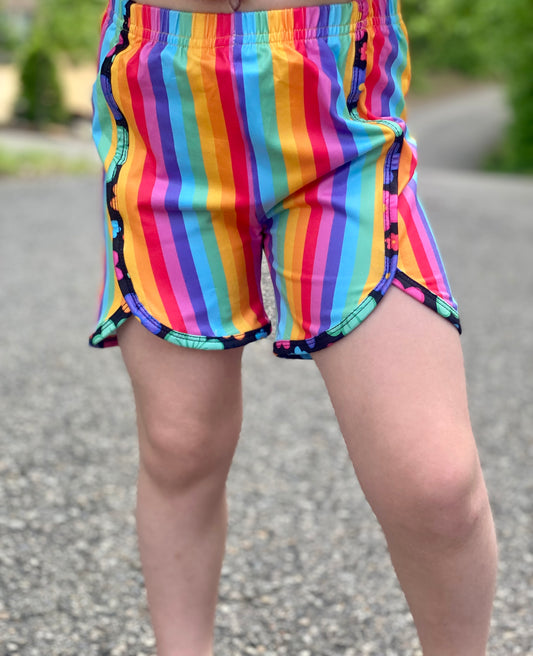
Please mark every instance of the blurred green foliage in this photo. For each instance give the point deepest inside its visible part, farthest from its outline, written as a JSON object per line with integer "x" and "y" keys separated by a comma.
{"x": 482, "y": 38}
{"x": 58, "y": 27}
{"x": 68, "y": 27}
{"x": 516, "y": 153}
{"x": 456, "y": 35}
{"x": 40, "y": 101}
{"x": 8, "y": 39}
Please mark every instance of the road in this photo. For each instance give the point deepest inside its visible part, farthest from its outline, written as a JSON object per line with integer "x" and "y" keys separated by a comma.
{"x": 306, "y": 572}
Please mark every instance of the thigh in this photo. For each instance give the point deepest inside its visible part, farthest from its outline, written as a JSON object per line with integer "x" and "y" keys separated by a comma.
{"x": 189, "y": 401}
{"x": 398, "y": 387}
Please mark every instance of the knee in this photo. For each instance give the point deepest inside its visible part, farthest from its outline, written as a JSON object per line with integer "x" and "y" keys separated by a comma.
{"x": 452, "y": 509}
{"x": 179, "y": 455}
{"x": 443, "y": 504}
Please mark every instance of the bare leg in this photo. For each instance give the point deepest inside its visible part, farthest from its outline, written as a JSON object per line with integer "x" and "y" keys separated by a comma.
{"x": 397, "y": 385}
{"x": 189, "y": 414}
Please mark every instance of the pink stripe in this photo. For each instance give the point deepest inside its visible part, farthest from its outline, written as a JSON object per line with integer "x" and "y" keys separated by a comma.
{"x": 422, "y": 231}
{"x": 162, "y": 220}
{"x": 325, "y": 188}
{"x": 381, "y": 83}
{"x": 325, "y": 191}
{"x": 243, "y": 132}
{"x": 329, "y": 129}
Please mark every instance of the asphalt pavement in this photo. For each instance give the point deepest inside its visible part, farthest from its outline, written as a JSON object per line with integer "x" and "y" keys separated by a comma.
{"x": 307, "y": 571}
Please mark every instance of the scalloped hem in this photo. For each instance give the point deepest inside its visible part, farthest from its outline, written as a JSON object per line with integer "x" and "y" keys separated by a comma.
{"x": 304, "y": 348}
{"x": 105, "y": 334}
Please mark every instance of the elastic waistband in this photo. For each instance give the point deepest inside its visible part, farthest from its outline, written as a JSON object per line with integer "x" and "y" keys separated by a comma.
{"x": 212, "y": 29}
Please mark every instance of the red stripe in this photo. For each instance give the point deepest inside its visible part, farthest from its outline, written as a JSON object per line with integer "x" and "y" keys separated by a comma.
{"x": 144, "y": 203}
{"x": 377, "y": 38}
{"x": 322, "y": 166}
{"x": 238, "y": 155}
{"x": 312, "y": 113}
{"x": 311, "y": 240}
{"x": 404, "y": 209}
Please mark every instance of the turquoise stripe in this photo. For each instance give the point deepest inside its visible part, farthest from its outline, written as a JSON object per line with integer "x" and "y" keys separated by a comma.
{"x": 103, "y": 128}
{"x": 343, "y": 298}
{"x": 193, "y": 194}
{"x": 108, "y": 292}
{"x": 341, "y": 48}
{"x": 366, "y": 223}
{"x": 102, "y": 123}
{"x": 397, "y": 101}
{"x": 278, "y": 241}
{"x": 263, "y": 127}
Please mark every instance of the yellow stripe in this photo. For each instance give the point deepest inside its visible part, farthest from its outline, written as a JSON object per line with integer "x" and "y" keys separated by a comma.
{"x": 295, "y": 244}
{"x": 290, "y": 113}
{"x": 407, "y": 261}
{"x": 377, "y": 250}
{"x": 135, "y": 247}
{"x": 221, "y": 185}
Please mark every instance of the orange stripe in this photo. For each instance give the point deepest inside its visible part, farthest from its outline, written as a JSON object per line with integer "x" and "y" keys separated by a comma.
{"x": 136, "y": 251}
{"x": 375, "y": 271}
{"x": 221, "y": 185}
{"x": 295, "y": 238}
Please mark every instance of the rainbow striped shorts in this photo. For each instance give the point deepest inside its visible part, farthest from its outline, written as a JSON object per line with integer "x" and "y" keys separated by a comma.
{"x": 229, "y": 139}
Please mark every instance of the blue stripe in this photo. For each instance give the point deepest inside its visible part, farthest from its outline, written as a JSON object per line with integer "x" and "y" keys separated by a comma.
{"x": 193, "y": 194}
{"x": 392, "y": 94}
{"x": 249, "y": 94}
{"x": 175, "y": 216}
{"x": 344, "y": 283}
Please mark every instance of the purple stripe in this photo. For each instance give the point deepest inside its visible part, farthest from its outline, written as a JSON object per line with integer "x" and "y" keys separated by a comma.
{"x": 175, "y": 216}
{"x": 345, "y": 140}
{"x": 241, "y": 97}
{"x": 431, "y": 238}
{"x": 390, "y": 87}
{"x": 164, "y": 22}
{"x": 267, "y": 247}
{"x": 338, "y": 224}
{"x": 344, "y": 135}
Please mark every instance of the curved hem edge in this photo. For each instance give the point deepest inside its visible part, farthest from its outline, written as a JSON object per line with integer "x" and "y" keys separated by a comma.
{"x": 304, "y": 348}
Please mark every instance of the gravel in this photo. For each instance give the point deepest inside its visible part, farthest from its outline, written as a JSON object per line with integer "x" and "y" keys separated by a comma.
{"x": 307, "y": 571}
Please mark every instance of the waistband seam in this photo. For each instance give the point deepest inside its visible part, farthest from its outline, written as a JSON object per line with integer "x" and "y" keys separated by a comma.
{"x": 299, "y": 33}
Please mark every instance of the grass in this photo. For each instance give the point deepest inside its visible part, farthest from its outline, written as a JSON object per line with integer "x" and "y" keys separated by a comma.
{"x": 39, "y": 163}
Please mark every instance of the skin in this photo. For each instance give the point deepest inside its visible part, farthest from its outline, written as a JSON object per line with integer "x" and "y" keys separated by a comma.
{"x": 398, "y": 388}
{"x": 227, "y": 6}
{"x": 403, "y": 414}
